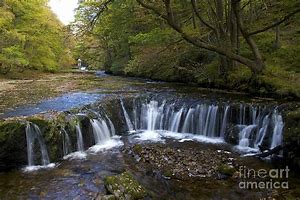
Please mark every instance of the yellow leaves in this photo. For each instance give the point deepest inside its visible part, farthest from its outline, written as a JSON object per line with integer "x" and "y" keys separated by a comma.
{"x": 6, "y": 17}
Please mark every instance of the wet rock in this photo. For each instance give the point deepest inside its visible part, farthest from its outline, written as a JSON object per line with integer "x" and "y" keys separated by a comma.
{"x": 105, "y": 197}
{"x": 226, "y": 169}
{"x": 292, "y": 137}
{"x": 232, "y": 135}
{"x": 13, "y": 151}
{"x": 124, "y": 186}
{"x": 137, "y": 148}
{"x": 182, "y": 164}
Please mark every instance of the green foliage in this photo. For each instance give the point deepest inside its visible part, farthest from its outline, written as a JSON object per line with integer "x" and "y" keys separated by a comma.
{"x": 31, "y": 36}
{"x": 129, "y": 39}
{"x": 282, "y": 82}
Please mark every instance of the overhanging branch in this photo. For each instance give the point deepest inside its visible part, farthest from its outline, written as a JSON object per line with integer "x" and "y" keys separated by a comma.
{"x": 276, "y": 24}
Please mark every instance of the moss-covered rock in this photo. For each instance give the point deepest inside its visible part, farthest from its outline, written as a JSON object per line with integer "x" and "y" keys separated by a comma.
{"x": 227, "y": 170}
{"x": 137, "y": 148}
{"x": 124, "y": 186}
{"x": 292, "y": 136}
{"x": 13, "y": 151}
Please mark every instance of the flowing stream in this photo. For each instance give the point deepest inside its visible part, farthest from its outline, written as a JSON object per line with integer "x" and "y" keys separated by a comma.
{"x": 90, "y": 149}
{"x": 210, "y": 120}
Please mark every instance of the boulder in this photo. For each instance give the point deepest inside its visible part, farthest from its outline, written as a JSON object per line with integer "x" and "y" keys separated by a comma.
{"x": 124, "y": 186}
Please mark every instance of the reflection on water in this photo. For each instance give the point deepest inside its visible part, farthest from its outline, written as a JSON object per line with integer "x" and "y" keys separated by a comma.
{"x": 62, "y": 103}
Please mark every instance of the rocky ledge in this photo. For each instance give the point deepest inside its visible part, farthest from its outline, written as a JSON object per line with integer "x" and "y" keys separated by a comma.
{"x": 185, "y": 163}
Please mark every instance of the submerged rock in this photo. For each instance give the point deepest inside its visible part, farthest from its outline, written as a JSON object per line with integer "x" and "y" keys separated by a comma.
{"x": 124, "y": 186}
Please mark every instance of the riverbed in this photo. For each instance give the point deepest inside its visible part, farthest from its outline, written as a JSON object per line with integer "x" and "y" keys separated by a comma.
{"x": 142, "y": 147}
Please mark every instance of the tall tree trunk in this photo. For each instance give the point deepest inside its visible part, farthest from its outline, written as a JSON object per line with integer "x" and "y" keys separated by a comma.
{"x": 258, "y": 64}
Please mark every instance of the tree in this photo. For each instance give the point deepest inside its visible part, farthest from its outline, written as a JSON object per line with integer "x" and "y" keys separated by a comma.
{"x": 225, "y": 20}
{"x": 32, "y": 36}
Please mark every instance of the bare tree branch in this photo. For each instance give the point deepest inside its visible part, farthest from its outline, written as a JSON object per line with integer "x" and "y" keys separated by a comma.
{"x": 195, "y": 8}
{"x": 198, "y": 42}
{"x": 277, "y": 23}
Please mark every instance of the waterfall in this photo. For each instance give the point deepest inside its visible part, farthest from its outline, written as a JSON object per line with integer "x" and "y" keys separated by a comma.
{"x": 66, "y": 142}
{"x": 210, "y": 120}
{"x": 213, "y": 122}
{"x": 244, "y": 135}
{"x": 224, "y": 122}
{"x": 128, "y": 121}
{"x": 188, "y": 125}
{"x": 100, "y": 130}
{"x": 254, "y": 113}
{"x": 80, "y": 146}
{"x": 262, "y": 131}
{"x": 112, "y": 127}
{"x": 277, "y": 132}
{"x": 207, "y": 121}
{"x": 202, "y": 110}
{"x": 33, "y": 133}
{"x": 176, "y": 121}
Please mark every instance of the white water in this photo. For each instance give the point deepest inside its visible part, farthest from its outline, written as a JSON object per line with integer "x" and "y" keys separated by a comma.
{"x": 128, "y": 121}
{"x": 160, "y": 136}
{"x": 100, "y": 130}
{"x": 262, "y": 131}
{"x": 33, "y": 133}
{"x": 66, "y": 142}
{"x": 244, "y": 135}
{"x": 277, "y": 132}
{"x": 211, "y": 121}
{"x": 80, "y": 145}
{"x": 106, "y": 145}
{"x": 38, "y": 167}
{"x": 78, "y": 155}
{"x": 224, "y": 122}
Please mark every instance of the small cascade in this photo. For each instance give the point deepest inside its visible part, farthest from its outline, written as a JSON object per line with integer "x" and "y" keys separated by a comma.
{"x": 176, "y": 121}
{"x": 244, "y": 135}
{"x": 100, "y": 130}
{"x": 277, "y": 131}
{"x": 224, "y": 122}
{"x": 212, "y": 121}
{"x": 258, "y": 125}
{"x": 33, "y": 133}
{"x": 262, "y": 131}
{"x": 188, "y": 125}
{"x": 127, "y": 118}
{"x": 80, "y": 146}
{"x": 66, "y": 142}
{"x": 112, "y": 127}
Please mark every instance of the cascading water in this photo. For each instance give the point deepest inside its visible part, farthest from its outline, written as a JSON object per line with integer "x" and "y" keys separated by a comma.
{"x": 33, "y": 133}
{"x": 262, "y": 131}
{"x": 100, "y": 130}
{"x": 128, "y": 121}
{"x": 224, "y": 122}
{"x": 277, "y": 132}
{"x": 66, "y": 142}
{"x": 210, "y": 120}
{"x": 80, "y": 145}
{"x": 244, "y": 135}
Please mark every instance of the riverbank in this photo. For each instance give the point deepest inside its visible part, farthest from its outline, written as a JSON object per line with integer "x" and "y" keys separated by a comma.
{"x": 33, "y": 87}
